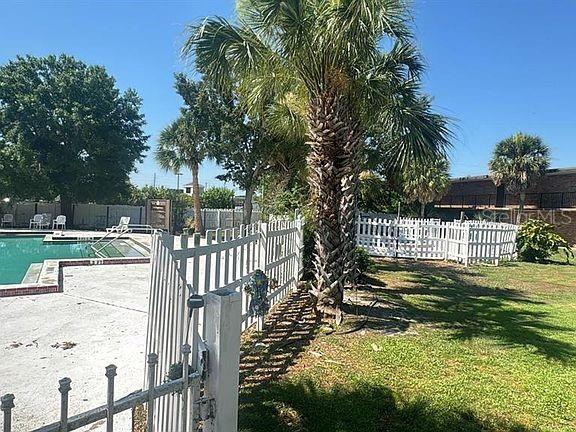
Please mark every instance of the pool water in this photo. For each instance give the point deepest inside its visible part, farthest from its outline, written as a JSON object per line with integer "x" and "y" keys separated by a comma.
{"x": 18, "y": 252}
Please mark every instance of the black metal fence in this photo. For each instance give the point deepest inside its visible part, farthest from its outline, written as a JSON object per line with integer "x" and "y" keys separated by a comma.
{"x": 544, "y": 200}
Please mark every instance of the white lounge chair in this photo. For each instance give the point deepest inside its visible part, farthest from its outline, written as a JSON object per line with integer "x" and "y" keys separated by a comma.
{"x": 59, "y": 222}
{"x": 36, "y": 221}
{"x": 8, "y": 218}
{"x": 122, "y": 226}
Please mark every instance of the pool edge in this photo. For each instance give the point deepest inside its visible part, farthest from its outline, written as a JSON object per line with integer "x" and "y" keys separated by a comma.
{"x": 51, "y": 281}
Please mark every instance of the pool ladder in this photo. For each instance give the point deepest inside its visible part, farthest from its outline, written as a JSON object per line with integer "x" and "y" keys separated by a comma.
{"x": 114, "y": 234}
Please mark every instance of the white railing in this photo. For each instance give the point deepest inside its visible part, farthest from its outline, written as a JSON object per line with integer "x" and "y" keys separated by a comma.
{"x": 190, "y": 267}
{"x": 466, "y": 242}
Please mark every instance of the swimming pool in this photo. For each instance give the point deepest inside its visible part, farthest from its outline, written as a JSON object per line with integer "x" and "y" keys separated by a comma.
{"x": 18, "y": 253}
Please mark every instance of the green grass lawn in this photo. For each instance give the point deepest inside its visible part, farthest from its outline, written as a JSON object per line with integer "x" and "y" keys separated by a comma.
{"x": 445, "y": 348}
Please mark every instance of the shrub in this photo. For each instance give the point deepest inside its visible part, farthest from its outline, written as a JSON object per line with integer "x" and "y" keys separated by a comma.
{"x": 217, "y": 198}
{"x": 537, "y": 241}
{"x": 363, "y": 260}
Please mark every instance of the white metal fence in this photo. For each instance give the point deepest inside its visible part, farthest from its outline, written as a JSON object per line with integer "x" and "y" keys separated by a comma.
{"x": 466, "y": 242}
{"x": 192, "y": 266}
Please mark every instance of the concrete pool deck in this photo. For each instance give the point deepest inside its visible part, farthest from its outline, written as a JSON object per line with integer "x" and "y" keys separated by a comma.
{"x": 103, "y": 311}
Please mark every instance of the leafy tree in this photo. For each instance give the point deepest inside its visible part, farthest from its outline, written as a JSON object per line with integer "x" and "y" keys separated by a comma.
{"x": 178, "y": 147}
{"x": 318, "y": 67}
{"x": 377, "y": 194}
{"x": 217, "y": 198}
{"x": 67, "y": 131}
{"x": 426, "y": 182}
{"x": 518, "y": 162}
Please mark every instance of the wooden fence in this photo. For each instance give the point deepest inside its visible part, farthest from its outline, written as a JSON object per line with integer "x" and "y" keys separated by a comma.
{"x": 465, "y": 242}
{"x": 189, "y": 267}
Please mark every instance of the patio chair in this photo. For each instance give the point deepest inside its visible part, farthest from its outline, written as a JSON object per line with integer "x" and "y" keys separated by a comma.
{"x": 59, "y": 222}
{"x": 8, "y": 218}
{"x": 36, "y": 221}
{"x": 122, "y": 225}
{"x": 46, "y": 220}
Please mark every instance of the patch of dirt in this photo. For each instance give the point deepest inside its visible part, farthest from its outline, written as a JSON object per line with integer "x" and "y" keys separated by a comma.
{"x": 64, "y": 345}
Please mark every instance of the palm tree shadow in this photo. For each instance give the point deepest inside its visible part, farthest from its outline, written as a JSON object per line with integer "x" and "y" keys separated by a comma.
{"x": 289, "y": 329}
{"x": 444, "y": 297}
{"x": 304, "y": 406}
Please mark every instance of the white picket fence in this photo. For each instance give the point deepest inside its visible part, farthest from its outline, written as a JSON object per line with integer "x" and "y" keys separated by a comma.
{"x": 224, "y": 260}
{"x": 465, "y": 242}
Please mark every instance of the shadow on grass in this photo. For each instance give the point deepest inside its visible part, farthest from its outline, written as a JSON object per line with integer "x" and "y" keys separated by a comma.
{"x": 289, "y": 329}
{"x": 444, "y": 297}
{"x": 304, "y": 407}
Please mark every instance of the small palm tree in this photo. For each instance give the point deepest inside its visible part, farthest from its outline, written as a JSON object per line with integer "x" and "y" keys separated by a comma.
{"x": 427, "y": 182}
{"x": 178, "y": 148}
{"x": 518, "y": 162}
{"x": 318, "y": 67}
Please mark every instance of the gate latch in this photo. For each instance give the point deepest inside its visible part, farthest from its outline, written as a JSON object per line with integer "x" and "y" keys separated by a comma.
{"x": 204, "y": 408}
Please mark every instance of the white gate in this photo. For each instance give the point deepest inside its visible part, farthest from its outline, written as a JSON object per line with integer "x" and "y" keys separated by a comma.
{"x": 191, "y": 266}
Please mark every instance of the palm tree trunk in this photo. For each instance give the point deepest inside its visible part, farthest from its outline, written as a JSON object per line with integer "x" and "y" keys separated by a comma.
{"x": 198, "y": 226}
{"x": 327, "y": 132}
{"x": 520, "y": 207}
{"x": 247, "y": 208}
{"x": 422, "y": 210}
{"x": 349, "y": 201}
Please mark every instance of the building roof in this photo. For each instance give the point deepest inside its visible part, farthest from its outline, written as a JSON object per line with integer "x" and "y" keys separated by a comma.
{"x": 551, "y": 171}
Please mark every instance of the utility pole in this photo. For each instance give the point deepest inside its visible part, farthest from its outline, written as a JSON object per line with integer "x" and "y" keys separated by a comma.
{"x": 178, "y": 174}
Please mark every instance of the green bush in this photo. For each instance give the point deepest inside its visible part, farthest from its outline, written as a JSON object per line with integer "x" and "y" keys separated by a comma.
{"x": 363, "y": 260}
{"x": 537, "y": 241}
{"x": 217, "y": 198}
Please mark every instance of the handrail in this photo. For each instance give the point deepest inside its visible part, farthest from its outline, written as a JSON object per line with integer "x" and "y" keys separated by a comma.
{"x": 119, "y": 230}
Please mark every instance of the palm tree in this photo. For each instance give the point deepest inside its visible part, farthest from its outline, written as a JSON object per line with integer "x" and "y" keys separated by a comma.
{"x": 178, "y": 148}
{"x": 426, "y": 182}
{"x": 518, "y": 162}
{"x": 320, "y": 65}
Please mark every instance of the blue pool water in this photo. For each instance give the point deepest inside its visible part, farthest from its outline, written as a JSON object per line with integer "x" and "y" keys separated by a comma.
{"x": 18, "y": 252}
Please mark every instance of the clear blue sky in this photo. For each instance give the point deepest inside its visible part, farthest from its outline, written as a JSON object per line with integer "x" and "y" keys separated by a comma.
{"x": 495, "y": 66}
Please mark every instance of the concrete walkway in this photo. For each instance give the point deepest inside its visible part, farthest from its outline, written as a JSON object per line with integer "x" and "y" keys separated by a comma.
{"x": 99, "y": 319}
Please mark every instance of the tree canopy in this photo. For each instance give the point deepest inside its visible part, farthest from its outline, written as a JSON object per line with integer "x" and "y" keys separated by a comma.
{"x": 330, "y": 70}
{"x": 67, "y": 129}
{"x": 217, "y": 198}
{"x": 518, "y": 161}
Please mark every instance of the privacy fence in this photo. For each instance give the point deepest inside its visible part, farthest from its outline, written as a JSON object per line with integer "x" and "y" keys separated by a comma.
{"x": 225, "y": 218}
{"x": 465, "y": 242}
{"x": 84, "y": 216}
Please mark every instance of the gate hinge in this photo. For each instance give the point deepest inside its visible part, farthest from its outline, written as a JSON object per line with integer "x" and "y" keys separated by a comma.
{"x": 204, "y": 408}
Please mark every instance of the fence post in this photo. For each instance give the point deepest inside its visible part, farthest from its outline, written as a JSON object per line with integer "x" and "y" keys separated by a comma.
{"x": 110, "y": 374}
{"x": 300, "y": 247}
{"x": 7, "y": 403}
{"x": 185, "y": 390}
{"x": 223, "y": 310}
{"x": 152, "y": 362}
{"x": 263, "y": 244}
{"x": 64, "y": 388}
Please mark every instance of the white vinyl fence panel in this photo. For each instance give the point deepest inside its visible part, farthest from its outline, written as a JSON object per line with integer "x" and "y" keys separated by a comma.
{"x": 225, "y": 259}
{"x": 466, "y": 242}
